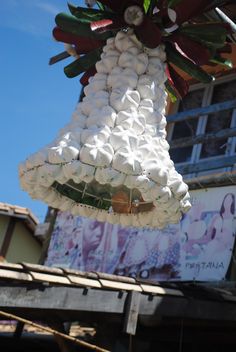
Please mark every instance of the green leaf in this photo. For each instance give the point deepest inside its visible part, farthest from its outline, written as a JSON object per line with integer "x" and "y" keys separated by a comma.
{"x": 100, "y": 5}
{"x": 212, "y": 35}
{"x": 151, "y": 7}
{"x": 171, "y": 92}
{"x": 173, "y": 3}
{"x": 146, "y": 5}
{"x": 72, "y": 25}
{"x": 88, "y": 15}
{"x": 187, "y": 65}
{"x": 82, "y": 64}
{"x": 222, "y": 61}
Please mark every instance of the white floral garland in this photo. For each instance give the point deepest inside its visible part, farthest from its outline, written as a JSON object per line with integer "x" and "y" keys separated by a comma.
{"x": 117, "y": 137}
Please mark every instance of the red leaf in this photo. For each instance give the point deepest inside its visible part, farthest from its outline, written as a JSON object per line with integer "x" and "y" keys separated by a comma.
{"x": 107, "y": 25}
{"x": 148, "y": 33}
{"x": 168, "y": 75}
{"x": 193, "y": 50}
{"x": 100, "y": 24}
{"x": 84, "y": 79}
{"x": 83, "y": 45}
{"x": 186, "y": 10}
{"x": 179, "y": 84}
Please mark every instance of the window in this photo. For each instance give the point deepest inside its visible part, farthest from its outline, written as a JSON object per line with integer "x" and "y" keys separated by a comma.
{"x": 222, "y": 90}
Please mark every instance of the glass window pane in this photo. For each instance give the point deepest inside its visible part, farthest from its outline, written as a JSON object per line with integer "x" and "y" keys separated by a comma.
{"x": 187, "y": 128}
{"x": 219, "y": 120}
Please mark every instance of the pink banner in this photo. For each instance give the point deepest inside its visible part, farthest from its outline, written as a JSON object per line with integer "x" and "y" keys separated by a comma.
{"x": 198, "y": 248}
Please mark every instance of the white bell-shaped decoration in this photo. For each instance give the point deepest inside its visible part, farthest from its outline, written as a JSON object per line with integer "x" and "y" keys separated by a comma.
{"x": 111, "y": 162}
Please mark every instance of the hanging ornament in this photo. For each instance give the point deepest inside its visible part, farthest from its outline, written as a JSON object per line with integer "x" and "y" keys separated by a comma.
{"x": 111, "y": 161}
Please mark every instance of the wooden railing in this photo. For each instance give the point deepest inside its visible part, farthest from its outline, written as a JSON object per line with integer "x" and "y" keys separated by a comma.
{"x": 208, "y": 164}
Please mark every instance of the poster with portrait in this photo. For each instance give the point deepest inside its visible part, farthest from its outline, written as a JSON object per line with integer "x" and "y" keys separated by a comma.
{"x": 198, "y": 248}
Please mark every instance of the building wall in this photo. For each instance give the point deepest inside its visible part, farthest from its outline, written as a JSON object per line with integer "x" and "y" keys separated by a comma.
{"x": 23, "y": 247}
{"x": 4, "y": 220}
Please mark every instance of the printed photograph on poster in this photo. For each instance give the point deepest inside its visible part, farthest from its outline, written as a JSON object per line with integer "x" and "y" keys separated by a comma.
{"x": 198, "y": 248}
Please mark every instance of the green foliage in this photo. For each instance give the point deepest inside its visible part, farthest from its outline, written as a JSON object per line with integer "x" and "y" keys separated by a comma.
{"x": 100, "y": 5}
{"x": 173, "y": 3}
{"x": 187, "y": 65}
{"x": 222, "y": 61}
{"x": 171, "y": 92}
{"x": 88, "y": 15}
{"x": 72, "y": 25}
{"x": 82, "y": 64}
{"x": 212, "y": 35}
{"x": 146, "y": 5}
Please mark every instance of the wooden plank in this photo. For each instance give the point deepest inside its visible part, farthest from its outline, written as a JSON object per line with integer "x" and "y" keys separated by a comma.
{"x": 82, "y": 281}
{"x": 59, "y": 298}
{"x": 206, "y": 165}
{"x": 120, "y": 285}
{"x": 42, "y": 268}
{"x": 212, "y": 180}
{"x": 88, "y": 275}
{"x": 195, "y": 113}
{"x": 52, "y": 331}
{"x": 160, "y": 290}
{"x": 203, "y": 138}
{"x": 131, "y": 312}
{"x": 15, "y": 275}
{"x": 70, "y": 299}
{"x": 11, "y": 266}
{"x": 116, "y": 278}
{"x": 187, "y": 307}
{"x": 50, "y": 278}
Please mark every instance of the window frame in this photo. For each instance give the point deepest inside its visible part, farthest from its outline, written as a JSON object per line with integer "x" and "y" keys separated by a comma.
{"x": 201, "y": 126}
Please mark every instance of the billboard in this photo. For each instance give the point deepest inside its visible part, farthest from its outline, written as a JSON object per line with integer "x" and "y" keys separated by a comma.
{"x": 198, "y": 248}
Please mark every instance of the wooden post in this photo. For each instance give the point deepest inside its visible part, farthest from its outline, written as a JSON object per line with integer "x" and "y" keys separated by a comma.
{"x": 131, "y": 313}
{"x": 64, "y": 346}
{"x": 19, "y": 329}
{"x": 50, "y": 217}
{"x": 8, "y": 237}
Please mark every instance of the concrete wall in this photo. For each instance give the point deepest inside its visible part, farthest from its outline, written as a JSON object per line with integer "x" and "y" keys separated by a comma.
{"x": 23, "y": 246}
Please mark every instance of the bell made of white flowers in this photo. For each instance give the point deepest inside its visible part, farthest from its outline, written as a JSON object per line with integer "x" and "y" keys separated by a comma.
{"x": 111, "y": 162}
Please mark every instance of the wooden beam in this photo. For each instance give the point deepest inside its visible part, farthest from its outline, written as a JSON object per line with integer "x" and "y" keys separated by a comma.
{"x": 53, "y": 331}
{"x": 131, "y": 312}
{"x": 63, "y": 344}
{"x": 206, "y": 165}
{"x": 188, "y": 307}
{"x": 8, "y": 237}
{"x": 33, "y": 299}
{"x": 51, "y": 218}
{"x": 203, "y": 138}
{"x": 195, "y": 113}
{"x": 18, "y": 330}
{"x": 39, "y": 296}
{"x": 212, "y": 180}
